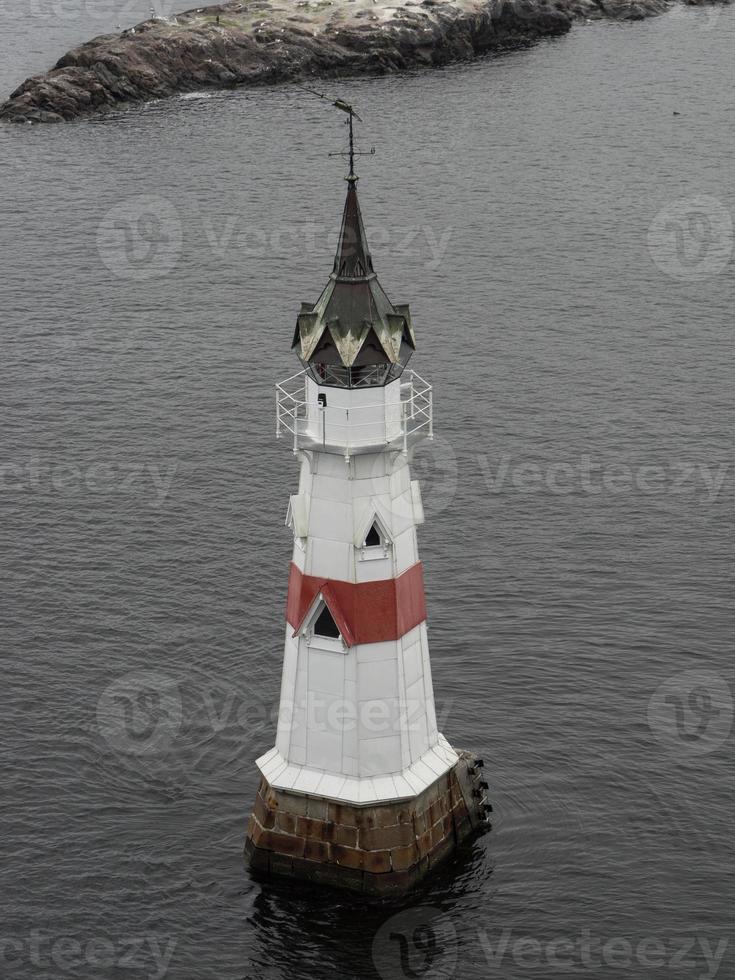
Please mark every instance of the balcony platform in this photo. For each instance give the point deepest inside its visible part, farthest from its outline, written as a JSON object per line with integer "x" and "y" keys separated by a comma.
{"x": 362, "y": 420}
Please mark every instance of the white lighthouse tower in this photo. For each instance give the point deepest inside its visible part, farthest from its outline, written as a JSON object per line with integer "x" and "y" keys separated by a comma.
{"x": 360, "y": 789}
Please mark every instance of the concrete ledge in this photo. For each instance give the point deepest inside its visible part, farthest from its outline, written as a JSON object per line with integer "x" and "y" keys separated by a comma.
{"x": 405, "y": 785}
{"x": 380, "y": 849}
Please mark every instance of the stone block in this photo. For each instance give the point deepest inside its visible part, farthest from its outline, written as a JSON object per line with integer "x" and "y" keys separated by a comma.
{"x": 374, "y": 817}
{"x": 317, "y": 807}
{"x": 463, "y": 829}
{"x": 424, "y": 844}
{"x": 293, "y": 803}
{"x": 386, "y": 816}
{"x": 442, "y": 850}
{"x": 460, "y": 810}
{"x": 255, "y": 831}
{"x": 347, "y": 857}
{"x": 316, "y": 850}
{"x": 285, "y": 822}
{"x": 437, "y": 833}
{"x": 282, "y": 843}
{"x": 381, "y": 838}
{"x": 434, "y": 792}
{"x": 421, "y": 823}
{"x": 337, "y": 834}
{"x": 280, "y": 864}
{"x": 265, "y": 817}
{"x": 377, "y": 862}
{"x": 437, "y": 810}
{"x": 309, "y": 828}
{"x": 257, "y": 857}
{"x": 345, "y": 815}
{"x": 403, "y": 858}
{"x": 331, "y": 874}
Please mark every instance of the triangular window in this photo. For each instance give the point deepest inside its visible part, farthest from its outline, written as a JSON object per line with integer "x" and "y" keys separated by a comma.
{"x": 373, "y": 538}
{"x": 376, "y": 543}
{"x": 325, "y": 625}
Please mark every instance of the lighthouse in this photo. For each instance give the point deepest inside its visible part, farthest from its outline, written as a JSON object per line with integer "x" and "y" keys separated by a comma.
{"x": 360, "y": 790}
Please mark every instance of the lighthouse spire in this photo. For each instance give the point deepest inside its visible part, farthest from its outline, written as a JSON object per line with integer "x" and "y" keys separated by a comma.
{"x": 352, "y": 259}
{"x": 352, "y": 177}
{"x": 353, "y": 336}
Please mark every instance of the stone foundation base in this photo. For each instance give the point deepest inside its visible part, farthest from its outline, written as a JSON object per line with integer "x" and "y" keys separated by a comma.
{"x": 379, "y": 849}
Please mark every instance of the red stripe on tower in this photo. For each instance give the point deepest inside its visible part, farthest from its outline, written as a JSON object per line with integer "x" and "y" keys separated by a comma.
{"x": 370, "y": 611}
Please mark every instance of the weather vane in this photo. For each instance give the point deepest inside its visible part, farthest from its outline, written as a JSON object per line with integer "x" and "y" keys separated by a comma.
{"x": 351, "y": 114}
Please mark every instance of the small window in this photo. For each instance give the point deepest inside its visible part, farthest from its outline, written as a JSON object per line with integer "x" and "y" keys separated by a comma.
{"x": 373, "y": 539}
{"x": 325, "y": 625}
{"x": 376, "y": 543}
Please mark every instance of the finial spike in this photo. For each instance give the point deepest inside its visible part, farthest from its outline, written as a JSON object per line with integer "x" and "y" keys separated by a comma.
{"x": 347, "y": 108}
{"x": 351, "y": 176}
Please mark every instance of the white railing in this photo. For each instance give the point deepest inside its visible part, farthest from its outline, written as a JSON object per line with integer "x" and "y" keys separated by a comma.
{"x": 368, "y": 425}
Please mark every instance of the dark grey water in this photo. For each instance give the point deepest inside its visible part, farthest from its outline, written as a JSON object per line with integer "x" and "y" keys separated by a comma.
{"x": 565, "y": 242}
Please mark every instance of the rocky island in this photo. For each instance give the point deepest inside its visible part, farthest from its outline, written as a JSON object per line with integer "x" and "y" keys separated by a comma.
{"x": 257, "y": 42}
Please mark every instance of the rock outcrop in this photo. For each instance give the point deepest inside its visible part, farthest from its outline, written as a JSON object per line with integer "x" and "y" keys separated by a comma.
{"x": 256, "y": 42}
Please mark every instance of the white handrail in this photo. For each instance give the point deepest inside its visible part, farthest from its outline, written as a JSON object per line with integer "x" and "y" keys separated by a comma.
{"x": 412, "y": 414}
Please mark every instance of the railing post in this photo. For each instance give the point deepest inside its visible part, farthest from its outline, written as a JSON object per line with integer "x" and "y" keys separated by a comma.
{"x": 431, "y": 413}
{"x": 278, "y": 413}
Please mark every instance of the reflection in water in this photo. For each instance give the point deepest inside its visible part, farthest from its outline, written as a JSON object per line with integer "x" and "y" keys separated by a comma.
{"x": 307, "y": 931}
